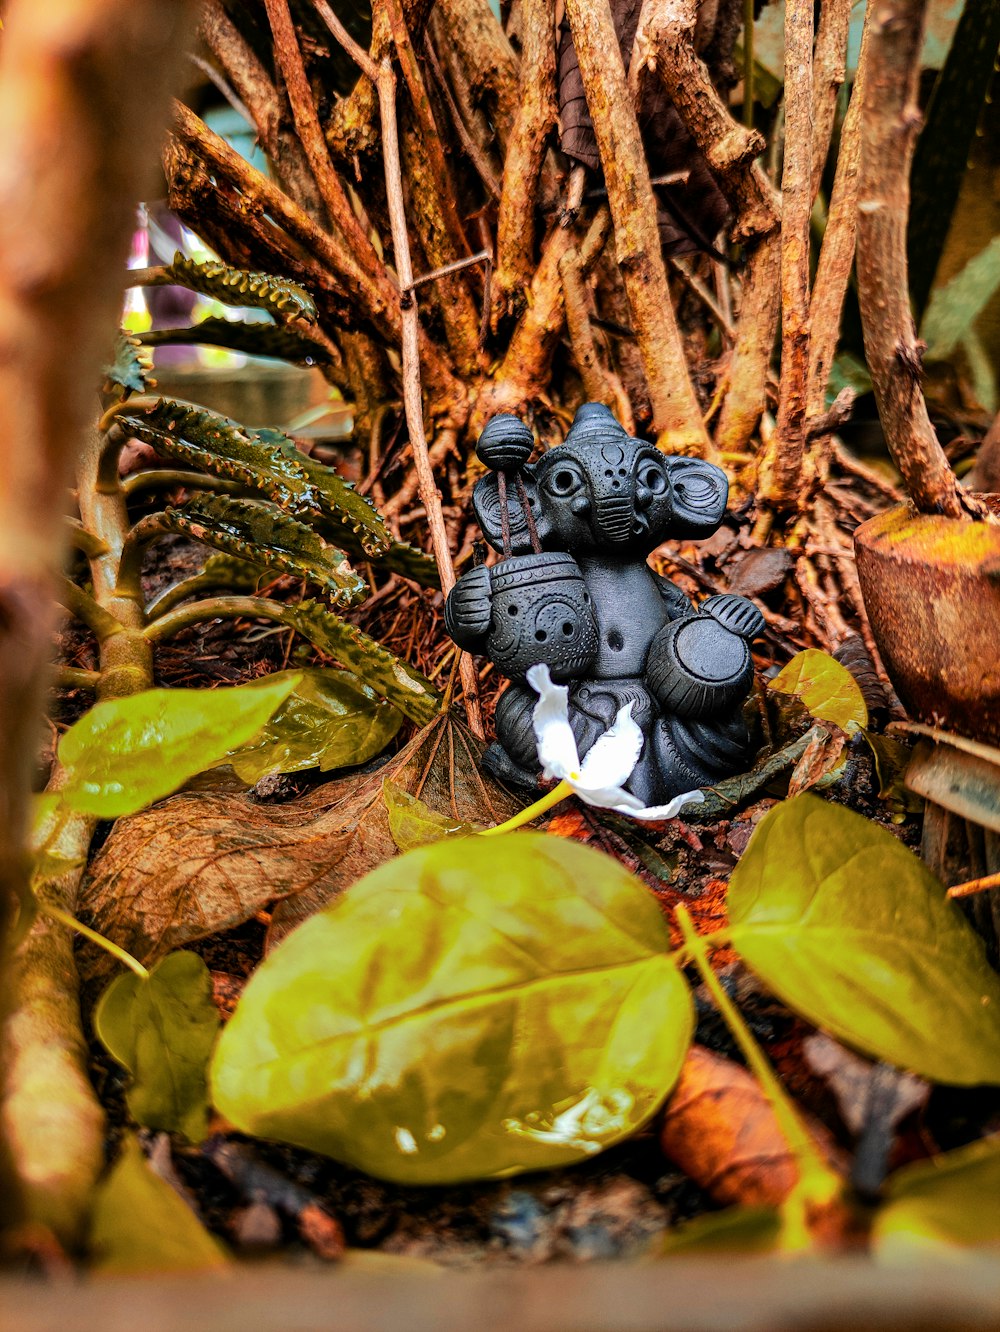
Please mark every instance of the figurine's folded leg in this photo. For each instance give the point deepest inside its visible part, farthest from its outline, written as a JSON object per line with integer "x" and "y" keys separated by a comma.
{"x": 513, "y": 759}
{"x": 691, "y": 753}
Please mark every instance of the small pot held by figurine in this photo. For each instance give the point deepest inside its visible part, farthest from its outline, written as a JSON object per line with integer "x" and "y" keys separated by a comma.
{"x": 541, "y": 612}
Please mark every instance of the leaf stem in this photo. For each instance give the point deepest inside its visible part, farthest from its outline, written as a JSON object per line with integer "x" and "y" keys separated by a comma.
{"x": 550, "y": 798}
{"x": 71, "y": 922}
{"x": 817, "y": 1183}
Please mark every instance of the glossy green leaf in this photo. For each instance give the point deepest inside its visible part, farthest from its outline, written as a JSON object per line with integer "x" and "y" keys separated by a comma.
{"x": 891, "y": 757}
{"x": 140, "y": 1224}
{"x": 852, "y": 931}
{"x": 329, "y": 720}
{"x": 951, "y": 1200}
{"x": 412, "y": 823}
{"x": 125, "y": 753}
{"x": 737, "y": 1230}
{"x": 366, "y": 658}
{"x": 162, "y": 1031}
{"x": 472, "y": 1009}
{"x": 265, "y": 461}
{"x": 827, "y": 689}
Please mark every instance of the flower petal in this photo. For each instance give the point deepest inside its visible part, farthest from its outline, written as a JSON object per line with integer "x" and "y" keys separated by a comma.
{"x": 557, "y": 751}
{"x": 655, "y": 813}
{"x": 610, "y": 759}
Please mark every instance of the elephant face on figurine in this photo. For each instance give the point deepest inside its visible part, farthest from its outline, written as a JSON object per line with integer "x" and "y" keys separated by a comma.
{"x": 599, "y": 492}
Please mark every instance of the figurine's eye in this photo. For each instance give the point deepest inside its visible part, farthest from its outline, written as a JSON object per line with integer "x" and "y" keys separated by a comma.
{"x": 651, "y": 476}
{"x": 565, "y": 481}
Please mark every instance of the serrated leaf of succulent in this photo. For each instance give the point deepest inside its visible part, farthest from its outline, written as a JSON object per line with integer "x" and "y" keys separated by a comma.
{"x": 386, "y": 673}
{"x": 281, "y": 341}
{"x": 237, "y": 286}
{"x": 130, "y": 369}
{"x": 260, "y": 533}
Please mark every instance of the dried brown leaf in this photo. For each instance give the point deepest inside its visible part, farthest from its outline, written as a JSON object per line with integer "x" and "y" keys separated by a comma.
{"x": 440, "y": 765}
{"x": 202, "y": 863}
{"x": 720, "y": 1130}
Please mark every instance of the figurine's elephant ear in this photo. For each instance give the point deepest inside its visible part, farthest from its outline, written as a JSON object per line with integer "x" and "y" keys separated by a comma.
{"x": 699, "y": 492}
{"x": 486, "y": 506}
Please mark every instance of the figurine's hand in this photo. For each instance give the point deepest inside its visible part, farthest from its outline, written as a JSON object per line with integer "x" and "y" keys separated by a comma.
{"x": 469, "y": 607}
{"x": 697, "y": 667}
{"x": 739, "y": 616}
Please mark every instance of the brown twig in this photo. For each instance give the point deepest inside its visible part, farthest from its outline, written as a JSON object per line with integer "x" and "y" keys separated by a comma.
{"x": 522, "y": 372}
{"x": 676, "y": 414}
{"x": 731, "y": 150}
{"x": 489, "y": 63}
{"x": 413, "y": 405}
{"x": 536, "y": 117}
{"x": 300, "y": 95}
{"x": 476, "y": 155}
{"x": 890, "y": 122}
{"x": 253, "y": 85}
{"x": 829, "y": 71}
{"x": 781, "y": 480}
{"x": 836, "y": 256}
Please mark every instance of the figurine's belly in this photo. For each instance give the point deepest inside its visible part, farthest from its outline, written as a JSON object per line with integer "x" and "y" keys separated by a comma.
{"x": 629, "y": 610}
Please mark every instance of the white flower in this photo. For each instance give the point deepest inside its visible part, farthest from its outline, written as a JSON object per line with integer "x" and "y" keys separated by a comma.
{"x": 599, "y": 779}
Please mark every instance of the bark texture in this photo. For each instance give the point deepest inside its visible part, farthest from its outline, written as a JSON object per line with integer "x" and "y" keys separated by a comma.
{"x": 891, "y": 119}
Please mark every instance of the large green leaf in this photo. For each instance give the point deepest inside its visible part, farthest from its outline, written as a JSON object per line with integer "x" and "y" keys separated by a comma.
{"x": 260, "y": 533}
{"x": 329, "y": 720}
{"x": 140, "y": 1224}
{"x": 852, "y": 931}
{"x": 125, "y": 753}
{"x": 473, "y": 1009}
{"x": 828, "y": 690}
{"x": 951, "y": 1200}
{"x": 162, "y": 1029}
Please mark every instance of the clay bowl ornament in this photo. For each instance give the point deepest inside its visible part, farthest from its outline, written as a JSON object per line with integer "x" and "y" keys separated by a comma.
{"x": 931, "y": 587}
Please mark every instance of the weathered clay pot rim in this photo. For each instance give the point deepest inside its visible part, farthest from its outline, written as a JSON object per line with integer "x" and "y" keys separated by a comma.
{"x": 902, "y": 532}
{"x": 931, "y": 586}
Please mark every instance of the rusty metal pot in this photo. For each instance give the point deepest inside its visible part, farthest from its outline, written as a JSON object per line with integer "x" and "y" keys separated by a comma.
{"x": 931, "y": 587}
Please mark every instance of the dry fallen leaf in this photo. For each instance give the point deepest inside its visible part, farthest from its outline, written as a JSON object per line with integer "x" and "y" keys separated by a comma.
{"x": 720, "y": 1130}
{"x": 201, "y": 863}
{"x": 440, "y": 765}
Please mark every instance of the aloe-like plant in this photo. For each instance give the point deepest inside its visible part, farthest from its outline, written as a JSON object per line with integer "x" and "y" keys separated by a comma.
{"x": 265, "y": 509}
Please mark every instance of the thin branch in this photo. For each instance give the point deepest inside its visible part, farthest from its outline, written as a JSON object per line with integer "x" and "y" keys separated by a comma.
{"x": 890, "y": 122}
{"x": 836, "y": 256}
{"x": 829, "y": 72}
{"x": 781, "y": 483}
{"x": 731, "y": 151}
{"x": 300, "y": 96}
{"x": 413, "y": 406}
{"x": 676, "y": 414}
{"x": 476, "y": 155}
{"x": 536, "y": 118}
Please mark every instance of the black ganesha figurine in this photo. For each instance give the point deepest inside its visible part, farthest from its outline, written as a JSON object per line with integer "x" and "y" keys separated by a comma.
{"x": 574, "y": 592}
